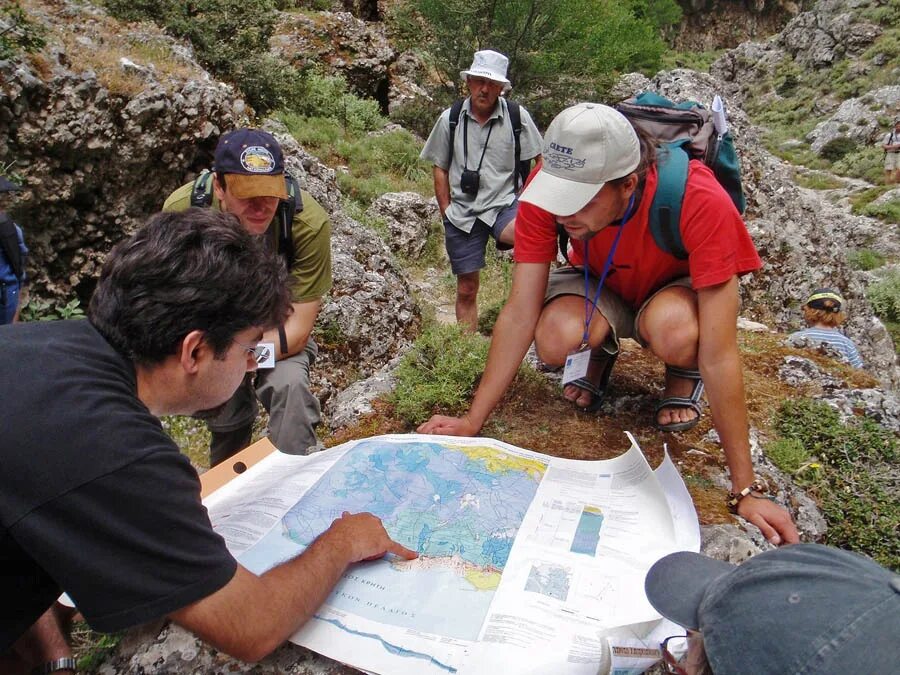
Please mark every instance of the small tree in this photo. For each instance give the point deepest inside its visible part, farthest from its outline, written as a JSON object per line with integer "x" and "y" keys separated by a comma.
{"x": 559, "y": 50}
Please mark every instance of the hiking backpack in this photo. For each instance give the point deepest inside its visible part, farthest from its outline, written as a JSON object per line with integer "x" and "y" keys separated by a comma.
{"x": 202, "y": 194}
{"x": 12, "y": 267}
{"x": 682, "y": 131}
{"x": 522, "y": 167}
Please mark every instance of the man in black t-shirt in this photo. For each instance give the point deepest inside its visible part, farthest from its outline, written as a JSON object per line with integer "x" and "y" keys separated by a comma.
{"x": 97, "y": 501}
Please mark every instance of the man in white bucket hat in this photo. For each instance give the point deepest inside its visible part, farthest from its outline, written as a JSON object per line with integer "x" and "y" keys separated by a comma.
{"x": 478, "y": 169}
{"x": 597, "y": 181}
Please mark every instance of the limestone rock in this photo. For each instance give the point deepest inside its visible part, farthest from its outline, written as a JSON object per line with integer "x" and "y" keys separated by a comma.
{"x": 407, "y": 216}
{"x": 857, "y": 119}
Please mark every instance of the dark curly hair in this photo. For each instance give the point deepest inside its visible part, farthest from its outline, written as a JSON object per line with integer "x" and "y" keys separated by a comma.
{"x": 190, "y": 270}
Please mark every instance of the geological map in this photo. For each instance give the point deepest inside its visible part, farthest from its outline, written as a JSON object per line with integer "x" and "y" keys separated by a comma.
{"x": 460, "y": 507}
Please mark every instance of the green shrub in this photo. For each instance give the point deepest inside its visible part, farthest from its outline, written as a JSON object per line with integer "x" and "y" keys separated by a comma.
{"x": 17, "y": 33}
{"x": 889, "y": 212}
{"x": 865, "y": 259}
{"x": 884, "y": 296}
{"x": 837, "y": 147}
{"x": 788, "y": 454}
{"x": 418, "y": 115}
{"x": 866, "y": 163}
{"x": 439, "y": 373}
{"x": 857, "y": 483}
{"x": 35, "y": 309}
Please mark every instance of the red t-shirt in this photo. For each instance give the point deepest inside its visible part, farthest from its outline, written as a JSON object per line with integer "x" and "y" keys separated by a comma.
{"x": 712, "y": 231}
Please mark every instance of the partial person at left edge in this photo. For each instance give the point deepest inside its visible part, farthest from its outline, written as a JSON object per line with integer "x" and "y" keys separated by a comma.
{"x": 96, "y": 500}
{"x": 13, "y": 254}
{"x": 249, "y": 180}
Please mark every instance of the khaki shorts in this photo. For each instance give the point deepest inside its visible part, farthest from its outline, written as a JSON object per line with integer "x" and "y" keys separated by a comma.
{"x": 623, "y": 320}
{"x": 892, "y": 161}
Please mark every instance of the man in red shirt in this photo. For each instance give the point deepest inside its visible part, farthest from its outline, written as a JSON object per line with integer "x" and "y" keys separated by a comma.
{"x": 597, "y": 181}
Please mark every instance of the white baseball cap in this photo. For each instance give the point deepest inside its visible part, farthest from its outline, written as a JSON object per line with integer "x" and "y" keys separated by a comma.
{"x": 490, "y": 65}
{"x": 585, "y": 146}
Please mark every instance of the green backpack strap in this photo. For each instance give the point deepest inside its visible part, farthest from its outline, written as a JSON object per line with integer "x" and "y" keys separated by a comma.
{"x": 665, "y": 210}
{"x": 287, "y": 209}
{"x": 201, "y": 192}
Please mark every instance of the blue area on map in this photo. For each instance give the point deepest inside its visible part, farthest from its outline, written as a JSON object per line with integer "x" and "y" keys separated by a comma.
{"x": 587, "y": 533}
{"x": 459, "y": 511}
{"x": 439, "y": 501}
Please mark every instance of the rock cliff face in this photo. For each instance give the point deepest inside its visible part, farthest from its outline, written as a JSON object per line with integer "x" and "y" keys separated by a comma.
{"x": 100, "y": 149}
{"x": 720, "y": 24}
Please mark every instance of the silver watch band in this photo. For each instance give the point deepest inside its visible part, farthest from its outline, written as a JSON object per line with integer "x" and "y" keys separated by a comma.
{"x": 65, "y": 663}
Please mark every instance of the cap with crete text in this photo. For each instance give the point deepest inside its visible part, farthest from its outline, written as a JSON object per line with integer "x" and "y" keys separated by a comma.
{"x": 585, "y": 146}
{"x": 252, "y": 163}
{"x": 803, "y": 608}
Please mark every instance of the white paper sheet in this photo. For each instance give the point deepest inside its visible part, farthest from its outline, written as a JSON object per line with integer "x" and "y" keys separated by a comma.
{"x": 531, "y": 564}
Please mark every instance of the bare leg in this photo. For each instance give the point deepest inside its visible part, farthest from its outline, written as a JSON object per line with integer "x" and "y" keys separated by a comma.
{"x": 560, "y": 330}
{"x": 43, "y": 642}
{"x": 467, "y": 300}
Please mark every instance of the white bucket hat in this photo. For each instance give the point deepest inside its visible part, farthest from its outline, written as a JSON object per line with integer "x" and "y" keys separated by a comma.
{"x": 585, "y": 146}
{"x": 490, "y": 65}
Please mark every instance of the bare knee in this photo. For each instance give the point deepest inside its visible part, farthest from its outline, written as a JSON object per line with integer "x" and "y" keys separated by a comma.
{"x": 467, "y": 287}
{"x": 557, "y": 333}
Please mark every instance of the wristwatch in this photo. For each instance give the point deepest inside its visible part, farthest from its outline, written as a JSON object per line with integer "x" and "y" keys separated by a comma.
{"x": 734, "y": 499}
{"x": 65, "y": 663}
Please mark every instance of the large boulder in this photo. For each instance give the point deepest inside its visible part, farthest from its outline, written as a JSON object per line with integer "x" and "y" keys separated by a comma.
{"x": 339, "y": 43}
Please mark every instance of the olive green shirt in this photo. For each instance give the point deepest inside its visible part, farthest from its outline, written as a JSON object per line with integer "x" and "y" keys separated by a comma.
{"x": 311, "y": 230}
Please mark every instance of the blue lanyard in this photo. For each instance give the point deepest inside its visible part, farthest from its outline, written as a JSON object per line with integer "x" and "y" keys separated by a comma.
{"x": 589, "y": 306}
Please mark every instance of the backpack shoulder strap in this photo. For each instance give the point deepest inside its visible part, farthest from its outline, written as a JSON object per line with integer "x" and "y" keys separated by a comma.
{"x": 201, "y": 192}
{"x": 521, "y": 168}
{"x": 455, "y": 110}
{"x": 9, "y": 245}
{"x": 665, "y": 210}
{"x": 287, "y": 209}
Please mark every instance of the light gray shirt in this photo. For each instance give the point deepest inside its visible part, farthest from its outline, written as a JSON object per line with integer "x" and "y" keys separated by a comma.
{"x": 497, "y": 185}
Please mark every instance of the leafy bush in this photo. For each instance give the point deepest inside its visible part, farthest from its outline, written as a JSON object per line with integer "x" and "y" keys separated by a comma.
{"x": 817, "y": 181}
{"x": 35, "y": 309}
{"x": 865, "y": 163}
{"x": 837, "y": 147}
{"x": 788, "y": 454}
{"x": 889, "y": 212}
{"x": 865, "y": 259}
{"x": 884, "y": 296}
{"x": 558, "y": 51}
{"x": 439, "y": 373}
{"x": 230, "y": 38}
{"x": 858, "y": 481}
{"x": 18, "y": 33}
{"x": 418, "y": 115}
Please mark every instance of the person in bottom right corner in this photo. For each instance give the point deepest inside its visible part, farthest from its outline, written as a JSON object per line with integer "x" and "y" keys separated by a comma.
{"x": 824, "y": 313}
{"x": 804, "y": 608}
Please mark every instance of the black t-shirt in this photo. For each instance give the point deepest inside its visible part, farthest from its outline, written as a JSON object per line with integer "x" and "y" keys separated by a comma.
{"x": 95, "y": 498}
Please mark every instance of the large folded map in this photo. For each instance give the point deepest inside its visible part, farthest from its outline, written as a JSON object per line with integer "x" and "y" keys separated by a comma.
{"x": 527, "y": 563}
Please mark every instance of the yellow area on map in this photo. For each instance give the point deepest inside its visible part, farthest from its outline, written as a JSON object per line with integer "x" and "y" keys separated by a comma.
{"x": 483, "y": 581}
{"x": 500, "y": 462}
{"x": 593, "y": 509}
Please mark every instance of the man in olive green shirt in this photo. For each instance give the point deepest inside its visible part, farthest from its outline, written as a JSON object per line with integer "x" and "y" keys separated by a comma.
{"x": 248, "y": 180}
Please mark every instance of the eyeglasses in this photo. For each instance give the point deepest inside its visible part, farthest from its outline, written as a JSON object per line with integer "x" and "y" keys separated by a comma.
{"x": 670, "y": 662}
{"x": 260, "y": 354}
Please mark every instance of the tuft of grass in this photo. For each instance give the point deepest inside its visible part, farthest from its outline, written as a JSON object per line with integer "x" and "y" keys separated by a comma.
{"x": 856, "y": 480}
{"x": 439, "y": 373}
{"x": 865, "y": 259}
{"x": 817, "y": 180}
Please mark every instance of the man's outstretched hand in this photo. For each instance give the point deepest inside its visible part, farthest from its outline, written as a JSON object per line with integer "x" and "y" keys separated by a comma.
{"x": 773, "y": 521}
{"x": 449, "y": 426}
{"x": 366, "y": 538}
